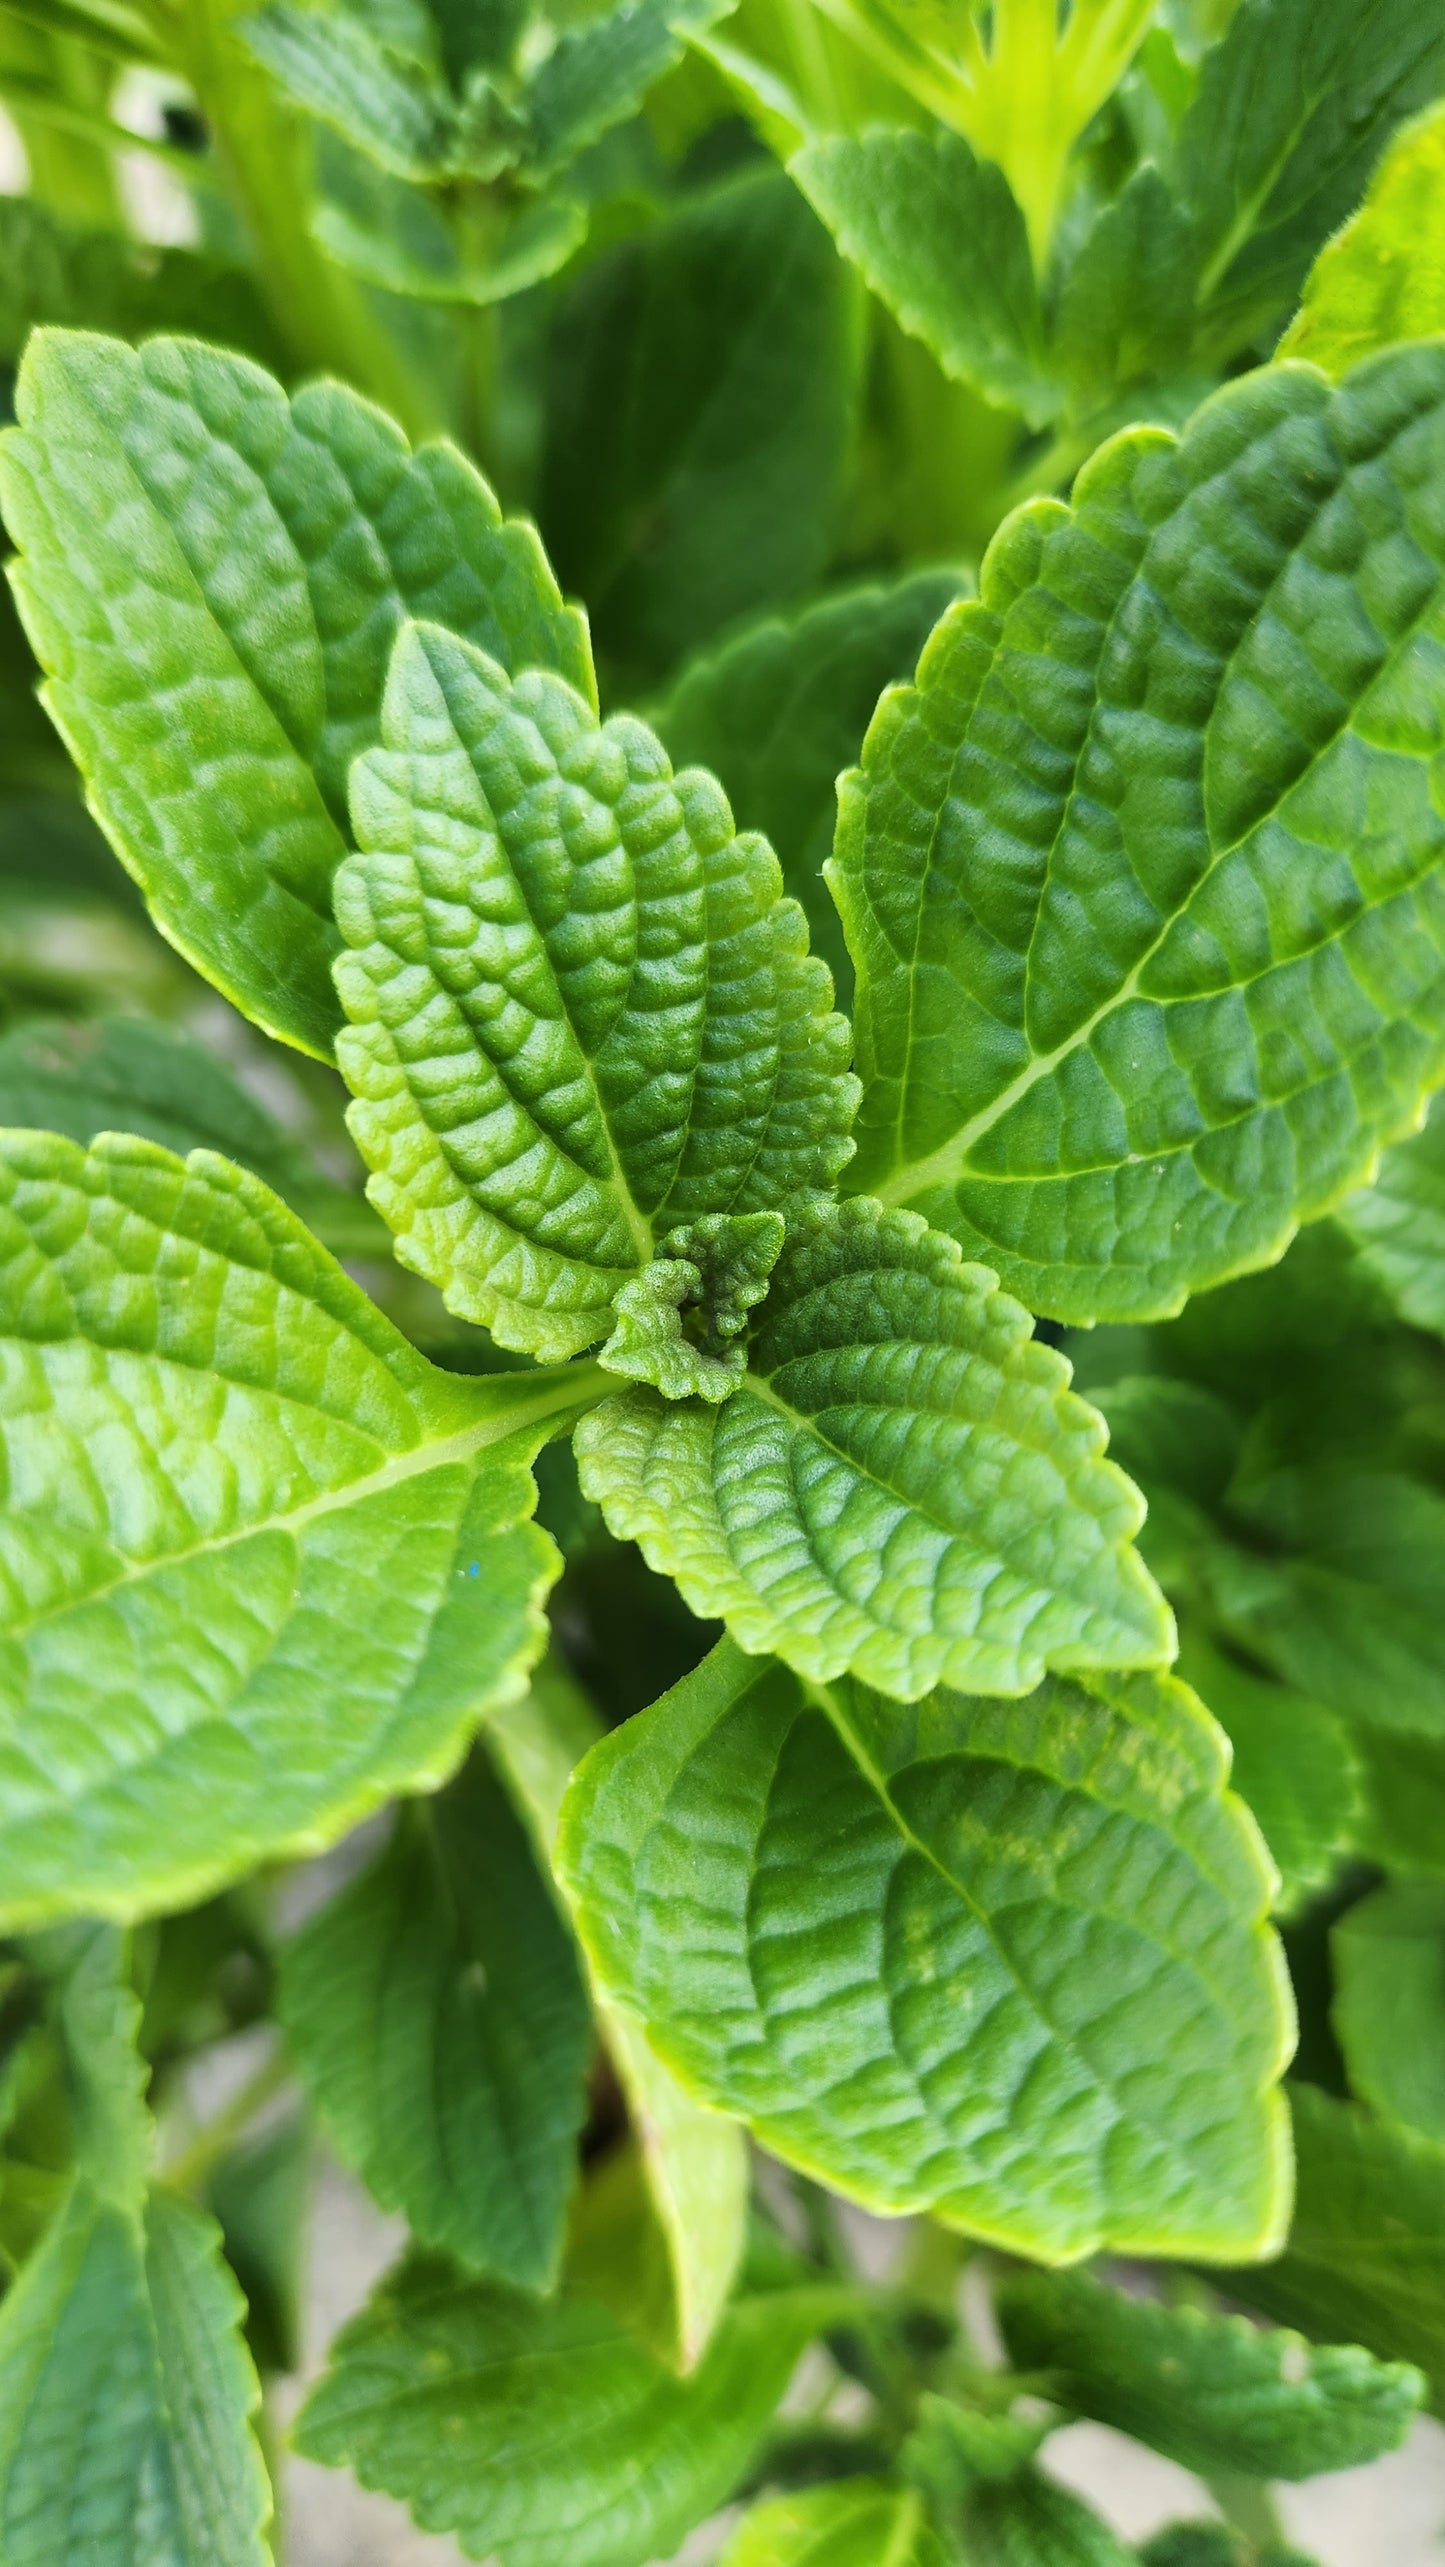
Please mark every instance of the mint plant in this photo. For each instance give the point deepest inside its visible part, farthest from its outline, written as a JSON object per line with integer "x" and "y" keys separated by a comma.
{"x": 721, "y": 1310}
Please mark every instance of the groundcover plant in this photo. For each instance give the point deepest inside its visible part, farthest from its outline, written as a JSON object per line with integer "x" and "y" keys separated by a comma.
{"x": 825, "y": 1409}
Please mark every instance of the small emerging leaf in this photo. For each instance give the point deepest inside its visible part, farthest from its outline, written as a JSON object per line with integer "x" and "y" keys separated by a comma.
{"x": 1383, "y": 277}
{"x": 716, "y": 1268}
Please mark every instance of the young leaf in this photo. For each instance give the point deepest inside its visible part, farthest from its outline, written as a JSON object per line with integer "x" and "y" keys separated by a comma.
{"x": 125, "y": 1074}
{"x": 717, "y": 1269}
{"x": 260, "y": 1557}
{"x": 581, "y": 1013}
{"x": 695, "y": 2163}
{"x": 409, "y": 241}
{"x": 437, "y": 2015}
{"x": 1141, "y": 987}
{"x": 1389, "y": 2012}
{"x": 334, "y": 66}
{"x": 1004, "y": 1961}
{"x": 213, "y": 575}
{"x": 126, "y": 2396}
{"x": 1214, "y": 2393}
{"x": 1294, "y": 1764}
{"x": 539, "y": 2432}
{"x": 702, "y": 397}
{"x": 858, "y": 2523}
{"x": 1366, "y": 2251}
{"x": 599, "y": 72}
{"x": 903, "y": 1486}
{"x": 1292, "y": 110}
{"x": 1383, "y": 277}
{"x": 940, "y": 239}
{"x": 1398, "y": 1225}
{"x": 776, "y": 712}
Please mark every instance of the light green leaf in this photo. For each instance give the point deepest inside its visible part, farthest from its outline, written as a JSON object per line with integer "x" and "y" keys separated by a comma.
{"x": 1143, "y": 877}
{"x": 598, "y": 72}
{"x": 1004, "y": 1961}
{"x": 1366, "y": 2251}
{"x": 1292, "y": 110}
{"x": 581, "y": 1012}
{"x": 213, "y": 575}
{"x": 717, "y": 1270}
{"x": 126, "y": 2396}
{"x": 939, "y": 237}
{"x": 539, "y": 2432}
{"x": 675, "y": 517}
{"x": 263, "y": 1565}
{"x": 1214, "y": 2393}
{"x": 437, "y": 2015}
{"x": 1126, "y": 302}
{"x": 776, "y": 712}
{"x": 695, "y": 2162}
{"x": 1398, "y": 1225}
{"x": 1389, "y": 2011}
{"x": 903, "y": 1486}
{"x": 1294, "y": 1764}
{"x": 858, "y": 2523}
{"x": 1032, "y": 2522}
{"x": 331, "y": 63}
{"x": 1383, "y": 277}
{"x": 127, "y": 1074}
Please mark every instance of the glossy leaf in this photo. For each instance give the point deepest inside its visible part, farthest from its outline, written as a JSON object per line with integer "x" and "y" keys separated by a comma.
{"x": 1143, "y": 877}
{"x": 776, "y": 712}
{"x": 1214, "y": 2393}
{"x": 1005, "y": 1961}
{"x": 581, "y": 1013}
{"x": 212, "y": 576}
{"x": 436, "y": 2012}
{"x": 903, "y": 1486}
{"x": 858, "y": 2523}
{"x": 1398, "y": 1225}
{"x": 258, "y": 1553}
{"x": 539, "y": 2432}
{"x": 940, "y": 239}
{"x": 1383, "y": 277}
{"x": 1389, "y": 2012}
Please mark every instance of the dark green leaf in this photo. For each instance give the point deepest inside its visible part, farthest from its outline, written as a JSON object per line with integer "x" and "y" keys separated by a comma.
{"x": 1389, "y": 2012}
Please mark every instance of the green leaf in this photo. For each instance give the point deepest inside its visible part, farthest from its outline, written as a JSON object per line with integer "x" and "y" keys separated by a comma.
{"x": 1142, "y": 878}
{"x": 858, "y": 2523}
{"x": 1383, "y": 277}
{"x": 125, "y": 1074}
{"x": 1402, "y": 1789}
{"x": 126, "y": 2396}
{"x": 581, "y": 1012}
{"x": 212, "y": 576}
{"x": 259, "y": 2193}
{"x": 437, "y": 2015}
{"x": 599, "y": 72}
{"x": 695, "y": 2163}
{"x": 97, "y": 2016}
{"x": 51, "y": 272}
{"x": 1214, "y": 2393}
{"x": 406, "y": 241}
{"x": 1031, "y": 2522}
{"x": 1398, "y": 1225}
{"x": 903, "y": 1486}
{"x": 1389, "y": 2012}
{"x": 1292, "y": 110}
{"x": 940, "y": 239}
{"x": 331, "y": 64}
{"x": 1004, "y": 1961}
{"x": 1294, "y": 1764}
{"x": 703, "y": 386}
{"x": 540, "y": 2432}
{"x": 1366, "y": 2251}
{"x": 264, "y": 1566}
{"x": 1126, "y": 302}
{"x": 716, "y": 1269}
{"x": 776, "y": 712}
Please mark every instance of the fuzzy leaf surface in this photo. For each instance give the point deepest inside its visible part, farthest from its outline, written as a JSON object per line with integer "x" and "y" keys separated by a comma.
{"x": 263, "y": 1565}
{"x": 1005, "y": 1961}
{"x": 126, "y": 2396}
{"x": 1214, "y": 2393}
{"x": 902, "y": 1486}
{"x": 777, "y": 712}
{"x": 858, "y": 2523}
{"x": 436, "y": 2012}
{"x": 539, "y": 2432}
{"x": 212, "y": 575}
{"x": 1143, "y": 877}
{"x": 581, "y": 1011}
{"x": 1383, "y": 277}
{"x": 940, "y": 239}
{"x": 1388, "y": 1953}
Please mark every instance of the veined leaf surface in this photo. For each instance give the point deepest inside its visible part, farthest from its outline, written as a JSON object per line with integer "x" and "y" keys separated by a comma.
{"x": 263, "y": 1565}
{"x": 1143, "y": 876}
{"x": 1214, "y": 2393}
{"x": 212, "y": 576}
{"x": 903, "y": 1486}
{"x": 1005, "y": 1961}
{"x": 581, "y": 1011}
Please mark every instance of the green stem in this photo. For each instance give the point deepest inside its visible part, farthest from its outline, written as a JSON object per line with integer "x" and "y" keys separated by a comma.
{"x": 1248, "y": 2504}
